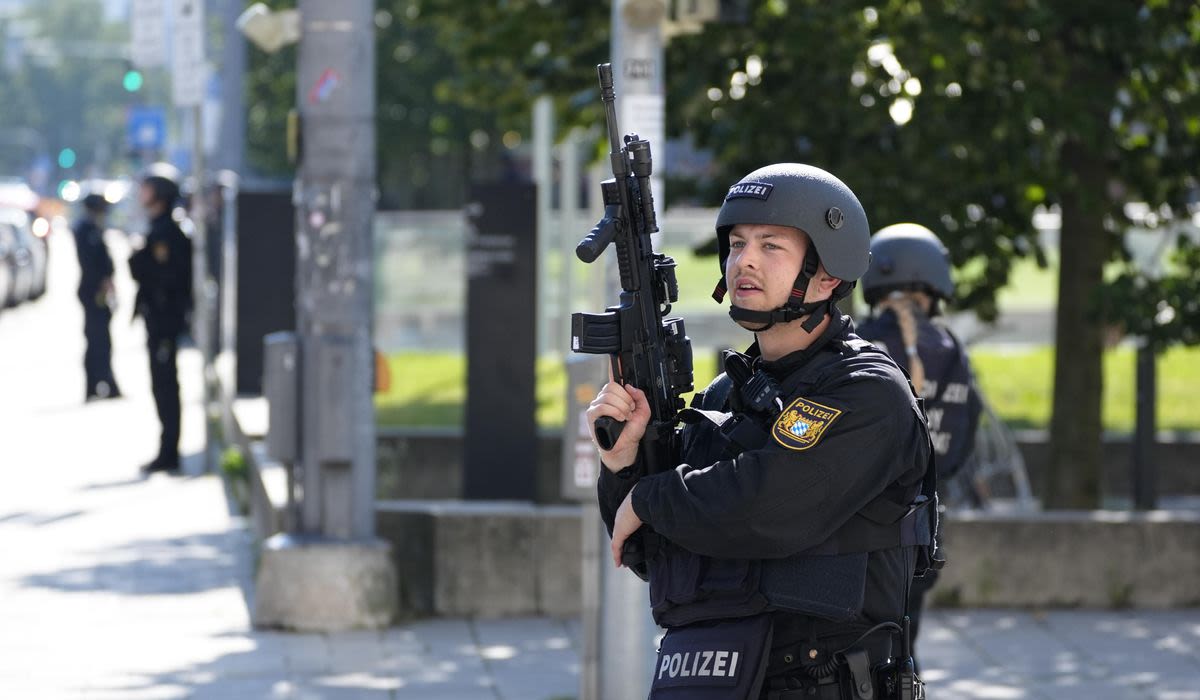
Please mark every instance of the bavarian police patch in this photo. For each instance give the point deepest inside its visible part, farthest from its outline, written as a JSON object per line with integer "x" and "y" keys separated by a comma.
{"x": 803, "y": 423}
{"x": 755, "y": 190}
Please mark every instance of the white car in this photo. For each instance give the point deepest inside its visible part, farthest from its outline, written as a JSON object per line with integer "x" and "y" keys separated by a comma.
{"x": 30, "y": 256}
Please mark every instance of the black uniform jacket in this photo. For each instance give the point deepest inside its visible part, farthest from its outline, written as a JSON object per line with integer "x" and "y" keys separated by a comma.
{"x": 952, "y": 400}
{"x": 95, "y": 264}
{"x": 163, "y": 271}
{"x": 850, "y": 430}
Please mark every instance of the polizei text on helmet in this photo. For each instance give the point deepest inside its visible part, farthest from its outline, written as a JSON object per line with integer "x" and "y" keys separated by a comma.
{"x": 754, "y": 190}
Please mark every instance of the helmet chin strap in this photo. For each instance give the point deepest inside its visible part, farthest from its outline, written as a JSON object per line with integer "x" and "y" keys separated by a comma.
{"x": 794, "y": 309}
{"x": 816, "y": 312}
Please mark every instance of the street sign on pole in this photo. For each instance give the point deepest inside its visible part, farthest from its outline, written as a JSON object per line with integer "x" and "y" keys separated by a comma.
{"x": 638, "y": 62}
{"x": 146, "y": 128}
{"x": 188, "y": 74}
{"x": 147, "y": 33}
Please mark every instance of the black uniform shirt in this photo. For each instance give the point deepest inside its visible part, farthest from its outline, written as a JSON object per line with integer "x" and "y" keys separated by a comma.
{"x": 95, "y": 264}
{"x": 163, "y": 270}
{"x": 850, "y": 431}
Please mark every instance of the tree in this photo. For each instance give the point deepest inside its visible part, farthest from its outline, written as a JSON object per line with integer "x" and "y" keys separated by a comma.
{"x": 63, "y": 91}
{"x": 965, "y": 115}
{"x": 455, "y": 83}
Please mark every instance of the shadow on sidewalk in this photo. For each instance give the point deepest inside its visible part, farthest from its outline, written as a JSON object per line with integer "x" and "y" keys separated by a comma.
{"x": 181, "y": 565}
{"x": 429, "y": 660}
{"x": 38, "y": 519}
{"x": 191, "y": 466}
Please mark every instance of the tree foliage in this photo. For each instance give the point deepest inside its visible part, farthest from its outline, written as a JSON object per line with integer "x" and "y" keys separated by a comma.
{"x": 994, "y": 92}
{"x": 455, "y": 85}
{"x": 60, "y": 86}
{"x": 965, "y": 116}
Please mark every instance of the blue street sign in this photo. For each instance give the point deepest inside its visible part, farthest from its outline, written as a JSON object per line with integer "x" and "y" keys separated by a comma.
{"x": 146, "y": 128}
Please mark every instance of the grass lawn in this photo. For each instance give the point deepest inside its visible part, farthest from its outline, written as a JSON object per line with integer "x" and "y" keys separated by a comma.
{"x": 428, "y": 389}
{"x": 1019, "y": 384}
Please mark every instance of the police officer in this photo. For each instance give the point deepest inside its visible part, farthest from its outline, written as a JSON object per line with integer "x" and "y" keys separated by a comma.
{"x": 95, "y": 293}
{"x": 163, "y": 271}
{"x": 906, "y": 285}
{"x": 781, "y": 549}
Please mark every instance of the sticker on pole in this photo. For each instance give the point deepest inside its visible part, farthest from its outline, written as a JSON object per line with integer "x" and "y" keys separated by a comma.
{"x": 323, "y": 89}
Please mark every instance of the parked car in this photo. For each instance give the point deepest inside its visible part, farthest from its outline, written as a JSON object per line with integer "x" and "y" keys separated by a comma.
{"x": 12, "y": 262}
{"x": 36, "y": 252}
{"x": 16, "y": 193}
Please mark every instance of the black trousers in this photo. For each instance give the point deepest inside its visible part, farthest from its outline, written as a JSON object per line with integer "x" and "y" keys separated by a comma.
{"x": 97, "y": 358}
{"x": 164, "y": 379}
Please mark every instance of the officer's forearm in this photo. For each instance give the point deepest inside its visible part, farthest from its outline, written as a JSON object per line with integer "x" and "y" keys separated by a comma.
{"x": 732, "y": 511}
{"x": 611, "y": 489}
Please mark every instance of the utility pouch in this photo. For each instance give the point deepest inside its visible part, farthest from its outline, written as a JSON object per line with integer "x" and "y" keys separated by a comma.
{"x": 719, "y": 660}
{"x": 686, "y": 587}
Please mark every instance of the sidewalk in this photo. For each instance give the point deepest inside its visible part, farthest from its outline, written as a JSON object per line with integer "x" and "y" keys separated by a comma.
{"x": 122, "y": 588}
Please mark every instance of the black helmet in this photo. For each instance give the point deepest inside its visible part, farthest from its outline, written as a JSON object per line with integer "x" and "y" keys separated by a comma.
{"x": 907, "y": 257}
{"x": 817, "y": 203}
{"x": 95, "y": 203}
{"x": 163, "y": 180}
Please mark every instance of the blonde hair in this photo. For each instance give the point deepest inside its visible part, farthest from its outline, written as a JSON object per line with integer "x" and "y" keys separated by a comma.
{"x": 906, "y": 305}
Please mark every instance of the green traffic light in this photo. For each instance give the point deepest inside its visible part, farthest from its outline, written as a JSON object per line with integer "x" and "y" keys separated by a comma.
{"x": 66, "y": 158}
{"x": 133, "y": 81}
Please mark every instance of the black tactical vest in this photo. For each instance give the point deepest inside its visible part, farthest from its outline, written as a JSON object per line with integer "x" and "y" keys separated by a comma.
{"x": 827, "y": 581}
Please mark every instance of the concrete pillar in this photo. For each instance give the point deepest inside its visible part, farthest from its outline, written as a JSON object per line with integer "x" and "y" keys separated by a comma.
{"x": 335, "y": 553}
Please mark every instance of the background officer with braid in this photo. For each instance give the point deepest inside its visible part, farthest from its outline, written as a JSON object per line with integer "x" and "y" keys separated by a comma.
{"x": 906, "y": 285}
{"x": 781, "y": 549}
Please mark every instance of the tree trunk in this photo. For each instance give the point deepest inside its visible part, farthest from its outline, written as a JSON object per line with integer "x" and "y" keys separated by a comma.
{"x": 1074, "y": 475}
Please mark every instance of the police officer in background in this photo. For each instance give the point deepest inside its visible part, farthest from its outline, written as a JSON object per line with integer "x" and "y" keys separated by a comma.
{"x": 906, "y": 285}
{"x": 95, "y": 293}
{"x": 163, "y": 271}
{"x": 781, "y": 550}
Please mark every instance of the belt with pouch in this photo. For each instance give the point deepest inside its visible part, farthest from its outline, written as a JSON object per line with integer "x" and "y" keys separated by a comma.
{"x": 830, "y": 669}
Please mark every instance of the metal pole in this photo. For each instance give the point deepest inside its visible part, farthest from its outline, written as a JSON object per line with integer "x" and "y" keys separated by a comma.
{"x": 627, "y": 631}
{"x": 570, "y": 230}
{"x": 201, "y": 311}
{"x": 1145, "y": 476}
{"x": 638, "y": 66}
{"x": 594, "y": 538}
{"x": 232, "y": 145}
{"x": 228, "y": 180}
{"x": 543, "y": 175}
{"x": 335, "y": 207}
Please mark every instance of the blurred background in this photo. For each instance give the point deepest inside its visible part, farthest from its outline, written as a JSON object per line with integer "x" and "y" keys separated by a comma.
{"x": 1053, "y": 147}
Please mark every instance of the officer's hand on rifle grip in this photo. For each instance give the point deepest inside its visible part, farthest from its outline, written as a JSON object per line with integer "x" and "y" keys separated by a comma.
{"x": 608, "y": 431}
{"x": 623, "y": 406}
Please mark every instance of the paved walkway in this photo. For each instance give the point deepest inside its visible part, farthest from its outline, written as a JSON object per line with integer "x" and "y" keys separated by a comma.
{"x": 123, "y": 588}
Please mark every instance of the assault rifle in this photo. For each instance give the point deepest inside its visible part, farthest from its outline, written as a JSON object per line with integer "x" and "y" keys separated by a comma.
{"x": 649, "y": 349}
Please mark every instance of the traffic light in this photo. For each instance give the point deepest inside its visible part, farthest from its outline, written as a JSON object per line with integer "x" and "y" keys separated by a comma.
{"x": 133, "y": 80}
{"x": 66, "y": 158}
